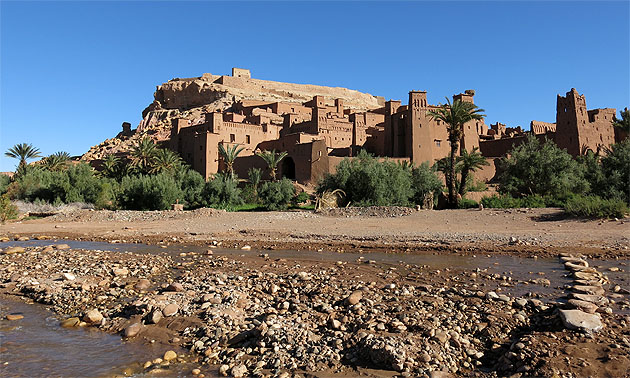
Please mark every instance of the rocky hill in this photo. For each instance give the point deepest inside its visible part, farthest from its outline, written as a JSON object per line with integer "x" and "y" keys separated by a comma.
{"x": 191, "y": 98}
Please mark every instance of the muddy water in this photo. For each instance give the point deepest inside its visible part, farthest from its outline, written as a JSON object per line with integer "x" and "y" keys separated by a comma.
{"x": 36, "y": 346}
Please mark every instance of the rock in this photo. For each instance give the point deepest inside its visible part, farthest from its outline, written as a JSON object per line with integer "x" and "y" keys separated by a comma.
{"x": 441, "y": 374}
{"x": 170, "y": 310}
{"x": 22, "y": 238}
{"x": 142, "y": 284}
{"x": 223, "y": 370}
{"x": 585, "y": 306}
{"x": 155, "y": 316}
{"x": 576, "y": 267}
{"x": 304, "y": 276}
{"x": 195, "y": 371}
{"x": 355, "y": 297}
{"x": 132, "y": 330}
{"x": 169, "y": 355}
{"x": 69, "y": 276}
{"x": 597, "y": 299}
{"x": 93, "y": 316}
{"x": 62, "y": 247}
{"x": 492, "y": 295}
{"x": 579, "y": 320}
{"x": 246, "y": 247}
{"x": 120, "y": 271}
{"x": 335, "y": 324}
{"x": 425, "y": 357}
{"x": 239, "y": 371}
{"x": 13, "y": 250}
{"x": 591, "y": 290}
{"x": 175, "y": 286}
{"x": 521, "y": 302}
{"x": 70, "y": 322}
{"x": 14, "y": 317}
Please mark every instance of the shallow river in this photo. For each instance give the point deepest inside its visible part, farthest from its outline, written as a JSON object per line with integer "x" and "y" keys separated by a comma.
{"x": 37, "y": 346}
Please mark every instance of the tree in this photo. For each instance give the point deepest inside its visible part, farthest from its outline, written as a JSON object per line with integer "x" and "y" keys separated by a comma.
{"x": 455, "y": 115}
{"x": 624, "y": 122}
{"x": 469, "y": 162}
{"x": 255, "y": 176}
{"x": 543, "y": 169}
{"x": 229, "y": 155}
{"x": 110, "y": 166}
{"x": 56, "y": 162}
{"x": 142, "y": 155}
{"x": 23, "y": 152}
{"x": 165, "y": 161}
{"x": 272, "y": 159}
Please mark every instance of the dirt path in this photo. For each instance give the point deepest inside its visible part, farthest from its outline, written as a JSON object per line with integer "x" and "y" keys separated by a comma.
{"x": 513, "y": 231}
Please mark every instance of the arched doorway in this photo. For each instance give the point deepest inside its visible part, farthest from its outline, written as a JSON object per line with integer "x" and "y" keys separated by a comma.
{"x": 288, "y": 168}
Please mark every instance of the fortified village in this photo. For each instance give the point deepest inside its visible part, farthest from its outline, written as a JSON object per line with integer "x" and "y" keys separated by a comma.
{"x": 319, "y": 126}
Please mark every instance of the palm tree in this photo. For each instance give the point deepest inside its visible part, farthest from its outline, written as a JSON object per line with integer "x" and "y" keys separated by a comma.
{"x": 110, "y": 165}
{"x": 57, "y": 161}
{"x": 142, "y": 154}
{"x": 272, "y": 159}
{"x": 455, "y": 115}
{"x": 165, "y": 160}
{"x": 23, "y": 152}
{"x": 229, "y": 155}
{"x": 255, "y": 176}
{"x": 469, "y": 162}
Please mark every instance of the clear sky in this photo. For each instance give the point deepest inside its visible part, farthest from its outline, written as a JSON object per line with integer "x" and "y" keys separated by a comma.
{"x": 72, "y": 72}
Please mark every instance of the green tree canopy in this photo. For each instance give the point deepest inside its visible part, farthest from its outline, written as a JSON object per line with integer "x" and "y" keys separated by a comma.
{"x": 454, "y": 116}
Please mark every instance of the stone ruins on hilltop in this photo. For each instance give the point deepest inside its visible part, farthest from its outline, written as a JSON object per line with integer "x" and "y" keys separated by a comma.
{"x": 319, "y": 126}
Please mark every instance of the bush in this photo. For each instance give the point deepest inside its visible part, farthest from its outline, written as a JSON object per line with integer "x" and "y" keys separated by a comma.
{"x": 508, "y": 202}
{"x": 155, "y": 192}
{"x": 596, "y": 207}
{"x": 424, "y": 181}
{"x": 300, "y": 198}
{"x": 536, "y": 168}
{"x": 616, "y": 172}
{"x": 192, "y": 184}
{"x": 4, "y": 183}
{"x": 466, "y": 203}
{"x": 276, "y": 195}
{"x": 7, "y": 209}
{"x": 222, "y": 192}
{"x": 368, "y": 182}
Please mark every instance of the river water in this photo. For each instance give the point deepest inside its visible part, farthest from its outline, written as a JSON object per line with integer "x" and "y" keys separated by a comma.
{"x": 36, "y": 346}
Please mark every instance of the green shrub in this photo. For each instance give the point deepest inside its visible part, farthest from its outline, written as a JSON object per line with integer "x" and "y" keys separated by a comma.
{"x": 7, "y": 209}
{"x": 222, "y": 192}
{"x": 276, "y": 195}
{"x": 466, "y": 203}
{"x": 616, "y": 172}
{"x": 4, "y": 183}
{"x": 192, "y": 184}
{"x": 508, "y": 202}
{"x": 424, "y": 181}
{"x": 536, "y": 168}
{"x": 154, "y": 192}
{"x": 596, "y": 207}
{"x": 299, "y": 198}
{"x": 368, "y": 182}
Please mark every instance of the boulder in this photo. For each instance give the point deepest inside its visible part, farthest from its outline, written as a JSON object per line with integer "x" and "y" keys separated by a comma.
{"x": 93, "y": 316}
{"x": 580, "y": 320}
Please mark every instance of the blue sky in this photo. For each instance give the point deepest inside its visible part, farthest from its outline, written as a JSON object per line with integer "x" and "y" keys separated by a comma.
{"x": 72, "y": 72}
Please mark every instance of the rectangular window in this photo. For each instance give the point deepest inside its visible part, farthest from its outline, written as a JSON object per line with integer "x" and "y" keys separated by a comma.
{"x": 232, "y": 138}
{"x": 248, "y": 139}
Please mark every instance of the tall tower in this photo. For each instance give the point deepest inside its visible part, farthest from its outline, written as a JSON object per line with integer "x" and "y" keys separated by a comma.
{"x": 571, "y": 116}
{"x": 420, "y": 142}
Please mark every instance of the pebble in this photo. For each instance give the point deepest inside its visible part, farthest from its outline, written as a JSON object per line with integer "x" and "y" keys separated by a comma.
{"x": 170, "y": 310}
{"x": 93, "y": 316}
{"x": 132, "y": 330}
{"x": 70, "y": 322}
{"x": 239, "y": 371}
{"x": 69, "y": 276}
{"x": 14, "y": 317}
{"x": 169, "y": 355}
{"x": 355, "y": 297}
